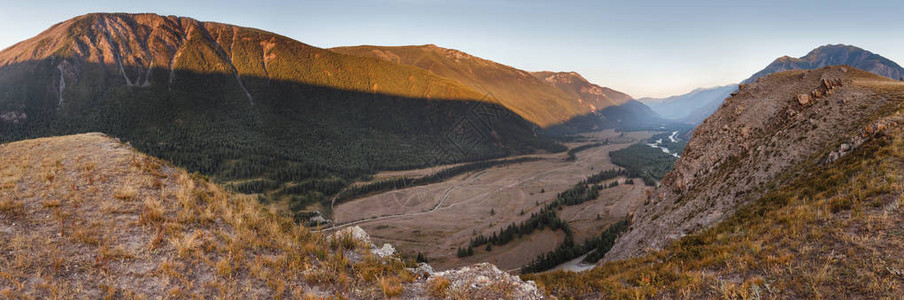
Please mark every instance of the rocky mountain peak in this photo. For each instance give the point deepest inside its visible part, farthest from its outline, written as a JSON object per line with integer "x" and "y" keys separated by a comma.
{"x": 834, "y": 55}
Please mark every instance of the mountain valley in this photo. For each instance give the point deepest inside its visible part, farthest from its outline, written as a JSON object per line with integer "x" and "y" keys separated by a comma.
{"x": 151, "y": 156}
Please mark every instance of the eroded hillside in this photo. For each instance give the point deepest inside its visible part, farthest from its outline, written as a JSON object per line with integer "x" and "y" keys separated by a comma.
{"x": 770, "y": 131}
{"x": 792, "y": 189}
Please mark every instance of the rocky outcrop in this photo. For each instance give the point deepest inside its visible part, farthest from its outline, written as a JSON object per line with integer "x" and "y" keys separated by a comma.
{"x": 482, "y": 281}
{"x": 769, "y": 130}
{"x": 864, "y": 134}
{"x": 358, "y": 234}
{"x": 823, "y": 90}
{"x": 803, "y": 99}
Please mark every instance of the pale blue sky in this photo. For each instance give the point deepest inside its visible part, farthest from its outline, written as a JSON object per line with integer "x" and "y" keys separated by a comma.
{"x": 644, "y": 48}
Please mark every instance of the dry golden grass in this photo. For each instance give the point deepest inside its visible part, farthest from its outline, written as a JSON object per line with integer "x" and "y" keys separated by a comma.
{"x": 438, "y": 287}
{"x": 11, "y": 206}
{"x": 390, "y": 286}
{"x": 84, "y": 216}
{"x": 127, "y": 192}
{"x": 832, "y": 233}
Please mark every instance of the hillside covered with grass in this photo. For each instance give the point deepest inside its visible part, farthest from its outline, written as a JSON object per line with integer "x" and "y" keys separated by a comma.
{"x": 87, "y": 216}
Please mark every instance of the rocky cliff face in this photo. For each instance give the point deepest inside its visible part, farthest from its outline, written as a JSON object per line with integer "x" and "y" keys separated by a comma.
{"x": 766, "y": 133}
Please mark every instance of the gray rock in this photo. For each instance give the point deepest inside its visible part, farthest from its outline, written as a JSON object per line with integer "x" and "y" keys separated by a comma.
{"x": 476, "y": 280}
{"x": 386, "y": 251}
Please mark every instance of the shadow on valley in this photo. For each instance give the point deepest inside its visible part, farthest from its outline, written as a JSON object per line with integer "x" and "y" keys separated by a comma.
{"x": 290, "y": 141}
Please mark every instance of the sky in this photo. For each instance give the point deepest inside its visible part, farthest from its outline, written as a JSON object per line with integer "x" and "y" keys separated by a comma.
{"x": 643, "y": 48}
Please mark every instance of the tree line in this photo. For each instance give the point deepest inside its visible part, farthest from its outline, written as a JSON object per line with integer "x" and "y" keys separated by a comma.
{"x": 568, "y": 250}
{"x": 404, "y": 182}
{"x": 586, "y": 190}
{"x": 572, "y": 153}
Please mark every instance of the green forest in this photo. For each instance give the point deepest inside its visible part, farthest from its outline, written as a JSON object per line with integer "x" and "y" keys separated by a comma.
{"x": 645, "y": 162}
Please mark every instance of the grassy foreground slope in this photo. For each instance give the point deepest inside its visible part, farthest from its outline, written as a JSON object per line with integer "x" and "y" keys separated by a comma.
{"x": 824, "y": 228}
{"x": 86, "y": 216}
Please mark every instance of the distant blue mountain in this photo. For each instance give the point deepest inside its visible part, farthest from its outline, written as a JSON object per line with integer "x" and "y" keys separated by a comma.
{"x": 693, "y": 107}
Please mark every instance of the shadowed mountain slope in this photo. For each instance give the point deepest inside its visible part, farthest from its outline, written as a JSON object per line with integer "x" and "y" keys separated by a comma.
{"x": 263, "y": 112}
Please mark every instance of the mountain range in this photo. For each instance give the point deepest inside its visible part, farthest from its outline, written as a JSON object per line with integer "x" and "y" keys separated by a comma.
{"x": 695, "y": 106}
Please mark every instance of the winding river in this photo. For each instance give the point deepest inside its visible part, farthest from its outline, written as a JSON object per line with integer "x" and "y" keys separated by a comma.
{"x": 658, "y": 144}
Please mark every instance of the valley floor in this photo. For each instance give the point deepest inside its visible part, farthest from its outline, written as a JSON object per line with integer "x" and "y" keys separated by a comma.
{"x": 437, "y": 219}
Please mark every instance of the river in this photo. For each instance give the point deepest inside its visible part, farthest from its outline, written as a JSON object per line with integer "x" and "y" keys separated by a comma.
{"x": 658, "y": 144}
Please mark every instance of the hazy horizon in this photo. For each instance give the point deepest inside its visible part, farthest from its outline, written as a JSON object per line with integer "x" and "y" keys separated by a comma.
{"x": 643, "y": 48}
